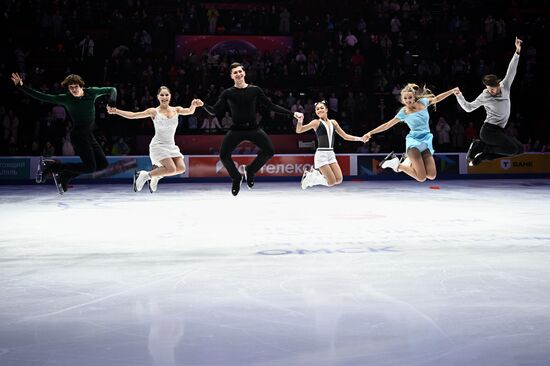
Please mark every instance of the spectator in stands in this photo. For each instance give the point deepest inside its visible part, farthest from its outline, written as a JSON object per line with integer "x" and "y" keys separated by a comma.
{"x": 457, "y": 135}
{"x": 443, "y": 134}
{"x": 120, "y": 147}
{"x": 227, "y": 121}
{"x": 210, "y": 124}
{"x": 48, "y": 150}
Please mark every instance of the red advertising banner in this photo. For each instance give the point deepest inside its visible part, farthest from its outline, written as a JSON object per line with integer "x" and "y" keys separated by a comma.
{"x": 232, "y": 45}
{"x": 278, "y": 166}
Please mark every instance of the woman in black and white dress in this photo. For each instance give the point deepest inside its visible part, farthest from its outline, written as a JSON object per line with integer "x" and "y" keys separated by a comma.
{"x": 326, "y": 170}
{"x": 165, "y": 154}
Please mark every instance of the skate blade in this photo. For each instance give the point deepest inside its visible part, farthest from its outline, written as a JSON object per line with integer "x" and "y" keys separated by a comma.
{"x": 40, "y": 176}
{"x": 57, "y": 182}
{"x": 388, "y": 157}
{"x": 40, "y": 171}
{"x": 135, "y": 180}
{"x": 246, "y": 178}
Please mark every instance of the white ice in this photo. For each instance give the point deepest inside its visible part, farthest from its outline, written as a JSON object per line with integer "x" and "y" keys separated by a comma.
{"x": 367, "y": 273}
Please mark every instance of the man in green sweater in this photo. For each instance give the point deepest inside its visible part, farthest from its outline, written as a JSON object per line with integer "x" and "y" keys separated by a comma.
{"x": 80, "y": 103}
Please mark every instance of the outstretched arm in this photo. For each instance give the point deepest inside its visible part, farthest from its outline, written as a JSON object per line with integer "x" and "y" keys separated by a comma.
{"x": 108, "y": 90}
{"x": 513, "y": 66}
{"x": 186, "y": 111}
{"x": 440, "y": 97}
{"x": 274, "y": 107}
{"x": 383, "y": 127}
{"x": 150, "y": 112}
{"x": 312, "y": 125}
{"x": 217, "y": 108}
{"x": 43, "y": 97}
{"x": 467, "y": 106}
{"x": 346, "y": 136}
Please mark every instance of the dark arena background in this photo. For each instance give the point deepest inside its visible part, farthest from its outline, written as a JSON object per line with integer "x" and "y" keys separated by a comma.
{"x": 377, "y": 268}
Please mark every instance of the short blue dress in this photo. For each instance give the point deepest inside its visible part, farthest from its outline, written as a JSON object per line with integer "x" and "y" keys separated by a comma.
{"x": 420, "y": 136}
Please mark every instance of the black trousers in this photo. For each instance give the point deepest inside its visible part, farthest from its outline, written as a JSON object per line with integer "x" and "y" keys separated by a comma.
{"x": 234, "y": 137}
{"x": 90, "y": 152}
{"x": 497, "y": 143}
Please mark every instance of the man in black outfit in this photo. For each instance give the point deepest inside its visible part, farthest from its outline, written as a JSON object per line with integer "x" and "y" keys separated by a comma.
{"x": 242, "y": 100}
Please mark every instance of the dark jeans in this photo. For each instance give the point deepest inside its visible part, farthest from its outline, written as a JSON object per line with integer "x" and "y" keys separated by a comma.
{"x": 90, "y": 152}
{"x": 497, "y": 143}
{"x": 234, "y": 137}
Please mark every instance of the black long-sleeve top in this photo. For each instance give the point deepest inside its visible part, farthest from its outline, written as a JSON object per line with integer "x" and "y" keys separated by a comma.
{"x": 242, "y": 103}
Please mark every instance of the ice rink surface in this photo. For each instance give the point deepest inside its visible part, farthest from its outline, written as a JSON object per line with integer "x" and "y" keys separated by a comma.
{"x": 367, "y": 273}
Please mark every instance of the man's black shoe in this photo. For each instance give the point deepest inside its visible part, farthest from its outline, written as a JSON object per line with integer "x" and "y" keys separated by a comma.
{"x": 64, "y": 179}
{"x": 236, "y": 186}
{"x": 475, "y": 148}
{"x": 249, "y": 176}
{"x": 476, "y": 160}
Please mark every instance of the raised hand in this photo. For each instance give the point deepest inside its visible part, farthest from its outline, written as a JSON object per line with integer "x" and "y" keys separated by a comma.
{"x": 299, "y": 116}
{"x": 197, "y": 102}
{"x": 16, "y": 79}
{"x": 518, "y": 45}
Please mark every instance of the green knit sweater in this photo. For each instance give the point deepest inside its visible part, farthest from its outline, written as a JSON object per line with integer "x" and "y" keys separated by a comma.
{"x": 81, "y": 109}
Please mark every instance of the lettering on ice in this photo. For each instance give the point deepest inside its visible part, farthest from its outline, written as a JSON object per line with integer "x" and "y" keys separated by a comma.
{"x": 328, "y": 251}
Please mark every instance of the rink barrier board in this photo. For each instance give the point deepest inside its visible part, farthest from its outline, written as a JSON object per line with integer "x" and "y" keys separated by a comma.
{"x": 22, "y": 169}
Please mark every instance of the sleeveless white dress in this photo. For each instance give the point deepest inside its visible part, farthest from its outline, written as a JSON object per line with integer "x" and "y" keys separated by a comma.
{"x": 163, "y": 144}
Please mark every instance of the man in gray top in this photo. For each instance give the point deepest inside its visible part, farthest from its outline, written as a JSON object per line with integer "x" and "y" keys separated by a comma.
{"x": 494, "y": 143}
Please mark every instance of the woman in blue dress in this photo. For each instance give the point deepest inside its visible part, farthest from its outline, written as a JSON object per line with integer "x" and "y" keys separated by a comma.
{"x": 420, "y": 163}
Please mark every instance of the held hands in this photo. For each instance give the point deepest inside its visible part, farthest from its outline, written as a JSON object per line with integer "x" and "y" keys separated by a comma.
{"x": 366, "y": 137}
{"x": 197, "y": 103}
{"x": 299, "y": 116}
{"x": 111, "y": 110}
{"x": 518, "y": 45}
{"x": 456, "y": 91}
{"x": 16, "y": 79}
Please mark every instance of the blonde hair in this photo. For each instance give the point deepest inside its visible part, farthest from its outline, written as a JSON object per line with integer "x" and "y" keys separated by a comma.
{"x": 418, "y": 92}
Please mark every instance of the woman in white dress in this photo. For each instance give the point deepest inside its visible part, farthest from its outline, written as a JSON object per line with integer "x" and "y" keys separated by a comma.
{"x": 164, "y": 152}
